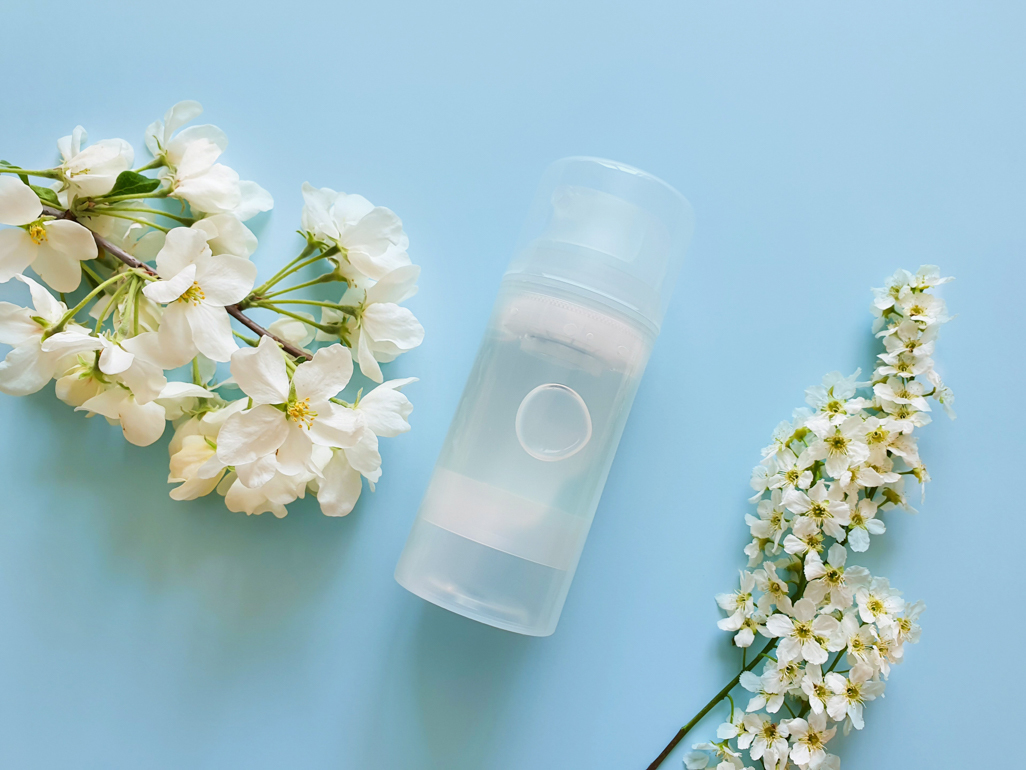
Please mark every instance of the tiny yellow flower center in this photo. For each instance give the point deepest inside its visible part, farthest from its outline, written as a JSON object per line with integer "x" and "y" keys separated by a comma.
{"x": 877, "y": 436}
{"x": 853, "y": 692}
{"x": 813, "y": 740}
{"x": 818, "y": 512}
{"x": 833, "y": 576}
{"x": 193, "y": 294}
{"x": 875, "y": 606}
{"x": 802, "y": 631}
{"x": 769, "y": 731}
{"x": 834, "y": 407}
{"x": 791, "y": 476}
{"x": 301, "y": 413}
{"x": 917, "y": 310}
{"x": 837, "y": 443}
{"x": 903, "y": 412}
{"x": 37, "y": 233}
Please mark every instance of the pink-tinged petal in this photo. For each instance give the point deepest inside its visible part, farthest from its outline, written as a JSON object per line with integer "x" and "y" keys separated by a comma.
{"x": 142, "y": 424}
{"x": 212, "y": 331}
{"x": 168, "y": 291}
{"x": 26, "y": 370}
{"x": 392, "y": 323}
{"x": 176, "y": 346}
{"x": 340, "y": 488}
{"x": 71, "y": 238}
{"x": 182, "y": 247}
{"x": 325, "y": 375}
{"x": 258, "y": 472}
{"x": 226, "y": 279}
{"x": 398, "y": 285}
{"x": 385, "y": 410}
{"x": 17, "y": 250}
{"x": 16, "y": 325}
{"x": 18, "y": 204}
{"x": 368, "y": 365}
{"x": 250, "y": 435}
{"x": 260, "y": 372}
{"x": 294, "y": 453}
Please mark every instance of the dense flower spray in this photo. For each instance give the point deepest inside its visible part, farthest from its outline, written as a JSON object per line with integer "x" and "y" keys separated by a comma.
{"x": 160, "y": 288}
{"x": 823, "y": 489}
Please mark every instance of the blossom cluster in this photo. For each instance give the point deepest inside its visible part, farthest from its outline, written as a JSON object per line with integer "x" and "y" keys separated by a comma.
{"x": 140, "y": 277}
{"x": 823, "y": 489}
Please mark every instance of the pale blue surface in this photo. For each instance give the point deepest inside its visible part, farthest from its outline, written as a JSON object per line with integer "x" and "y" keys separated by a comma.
{"x": 822, "y": 145}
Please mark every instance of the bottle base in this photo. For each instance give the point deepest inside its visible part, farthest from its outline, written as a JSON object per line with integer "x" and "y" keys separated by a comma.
{"x": 481, "y": 583}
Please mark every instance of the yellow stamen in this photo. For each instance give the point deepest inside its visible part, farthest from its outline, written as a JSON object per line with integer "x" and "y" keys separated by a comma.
{"x": 301, "y": 413}
{"x": 37, "y": 233}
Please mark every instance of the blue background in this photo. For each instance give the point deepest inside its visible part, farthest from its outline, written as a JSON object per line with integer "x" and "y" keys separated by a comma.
{"x": 822, "y": 145}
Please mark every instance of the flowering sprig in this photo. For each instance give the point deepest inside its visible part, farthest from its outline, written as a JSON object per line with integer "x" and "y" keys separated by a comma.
{"x": 833, "y": 629}
{"x": 157, "y": 288}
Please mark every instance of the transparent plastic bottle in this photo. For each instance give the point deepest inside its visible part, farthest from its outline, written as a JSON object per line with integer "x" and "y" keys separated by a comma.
{"x": 503, "y": 522}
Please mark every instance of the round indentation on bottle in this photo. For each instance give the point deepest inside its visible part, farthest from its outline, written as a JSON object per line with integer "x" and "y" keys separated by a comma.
{"x": 553, "y": 422}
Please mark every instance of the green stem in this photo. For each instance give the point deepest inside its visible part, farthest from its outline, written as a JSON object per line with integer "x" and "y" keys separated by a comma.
{"x": 315, "y": 302}
{"x": 111, "y": 303}
{"x": 326, "y": 278}
{"x": 155, "y": 163}
{"x": 132, "y": 197}
{"x": 140, "y": 220}
{"x": 708, "y": 706}
{"x": 143, "y": 210}
{"x": 248, "y": 340}
{"x": 49, "y": 173}
{"x": 59, "y": 326}
{"x": 282, "y": 311}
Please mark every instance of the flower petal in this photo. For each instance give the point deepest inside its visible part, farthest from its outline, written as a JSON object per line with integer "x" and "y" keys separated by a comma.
{"x": 340, "y": 488}
{"x": 168, "y": 291}
{"x": 176, "y": 347}
{"x": 142, "y": 424}
{"x": 325, "y": 375}
{"x": 294, "y": 453}
{"x": 225, "y": 279}
{"x": 26, "y": 369}
{"x": 16, "y": 324}
{"x": 59, "y": 271}
{"x": 212, "y": 331}
{"x": 183, "y": 246}
{"x": 19, "y": 205}
{"x": 260, "y": 372}
{"x": 17, "y": 250}
{"x": 396, "y": 286}
{"x": 392, "y": 323}
{"x": 250, "y": 435}
{"x": 71, "y": 238}
{"x": 385, "y": 409}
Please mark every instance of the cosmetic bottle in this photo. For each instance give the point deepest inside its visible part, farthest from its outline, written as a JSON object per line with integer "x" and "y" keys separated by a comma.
{"x": 504, "y": 519}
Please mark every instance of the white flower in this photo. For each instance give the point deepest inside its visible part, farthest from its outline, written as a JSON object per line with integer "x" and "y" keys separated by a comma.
{"x": 371, "y": 237}
{"x": 826, "y": 509}
{"x": 93, "y": 170}
{"x": 805, "y": 537}
{"x": 864, "y": 523}
{"x": 925, "y": 308}
{"x": 858, "y": 639}
{"x": 383, "y": 329}
{"x": 907, "y": 628}
{"x": 54, "y": 248}
{"x": 807, "y": 635}
{"x": 815, "y": 688}
{"x": 196, "y": 287}
{"x": 382, "y": 412}
{"x": 739, "y": 603}
{"x": 765, "y": 739}
{"x": 287, "y": 419}
{"x": 831, "y": 582}
{"x": 772, "y": 520}
{"x": 273, "y": 494}
{"x": 841, "y": 446}
{"x": 226, "y": 234}
{"x": 851, "y": 693}
{"x": 28, "y": 367}
{"x": 809, "y": 738}
{"x": 879, "y": 602}
{"x": 789, "y": 474}
{"x": 901, "y": 391}
{"x": 768, "y": 695}
{"x": 774, "y": 590}
{"x": 733, "y": 727}
{"x": 908, "y": 337}
{"x": 142, "y": 422}
{"x": 833, "y": 402}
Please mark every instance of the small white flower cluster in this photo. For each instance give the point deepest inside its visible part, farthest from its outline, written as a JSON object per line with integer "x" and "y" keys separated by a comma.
{"x": 830, "y": 472}
{"x": 99, "y": 223}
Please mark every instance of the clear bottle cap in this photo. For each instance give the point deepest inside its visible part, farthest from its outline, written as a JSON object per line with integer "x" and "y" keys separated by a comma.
{"x": 609, "y": 231}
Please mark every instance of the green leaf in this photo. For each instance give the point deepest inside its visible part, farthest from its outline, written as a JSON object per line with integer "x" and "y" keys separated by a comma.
{"x": 47, "y": 196}
{"x": 22, "y": 177}
{"x": 132, "y": 183}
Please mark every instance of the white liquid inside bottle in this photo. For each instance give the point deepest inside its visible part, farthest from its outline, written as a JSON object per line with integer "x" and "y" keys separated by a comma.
{"x": 503, "y": 522}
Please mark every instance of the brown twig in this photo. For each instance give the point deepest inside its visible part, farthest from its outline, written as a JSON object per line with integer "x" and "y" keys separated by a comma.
{"x": 233, "y": 310}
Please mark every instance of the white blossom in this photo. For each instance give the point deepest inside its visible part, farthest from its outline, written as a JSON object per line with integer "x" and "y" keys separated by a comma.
{"x": 92, "y": 171}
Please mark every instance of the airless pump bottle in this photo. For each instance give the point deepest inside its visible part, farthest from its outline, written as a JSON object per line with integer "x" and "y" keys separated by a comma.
{"x": 503, "y": 522}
